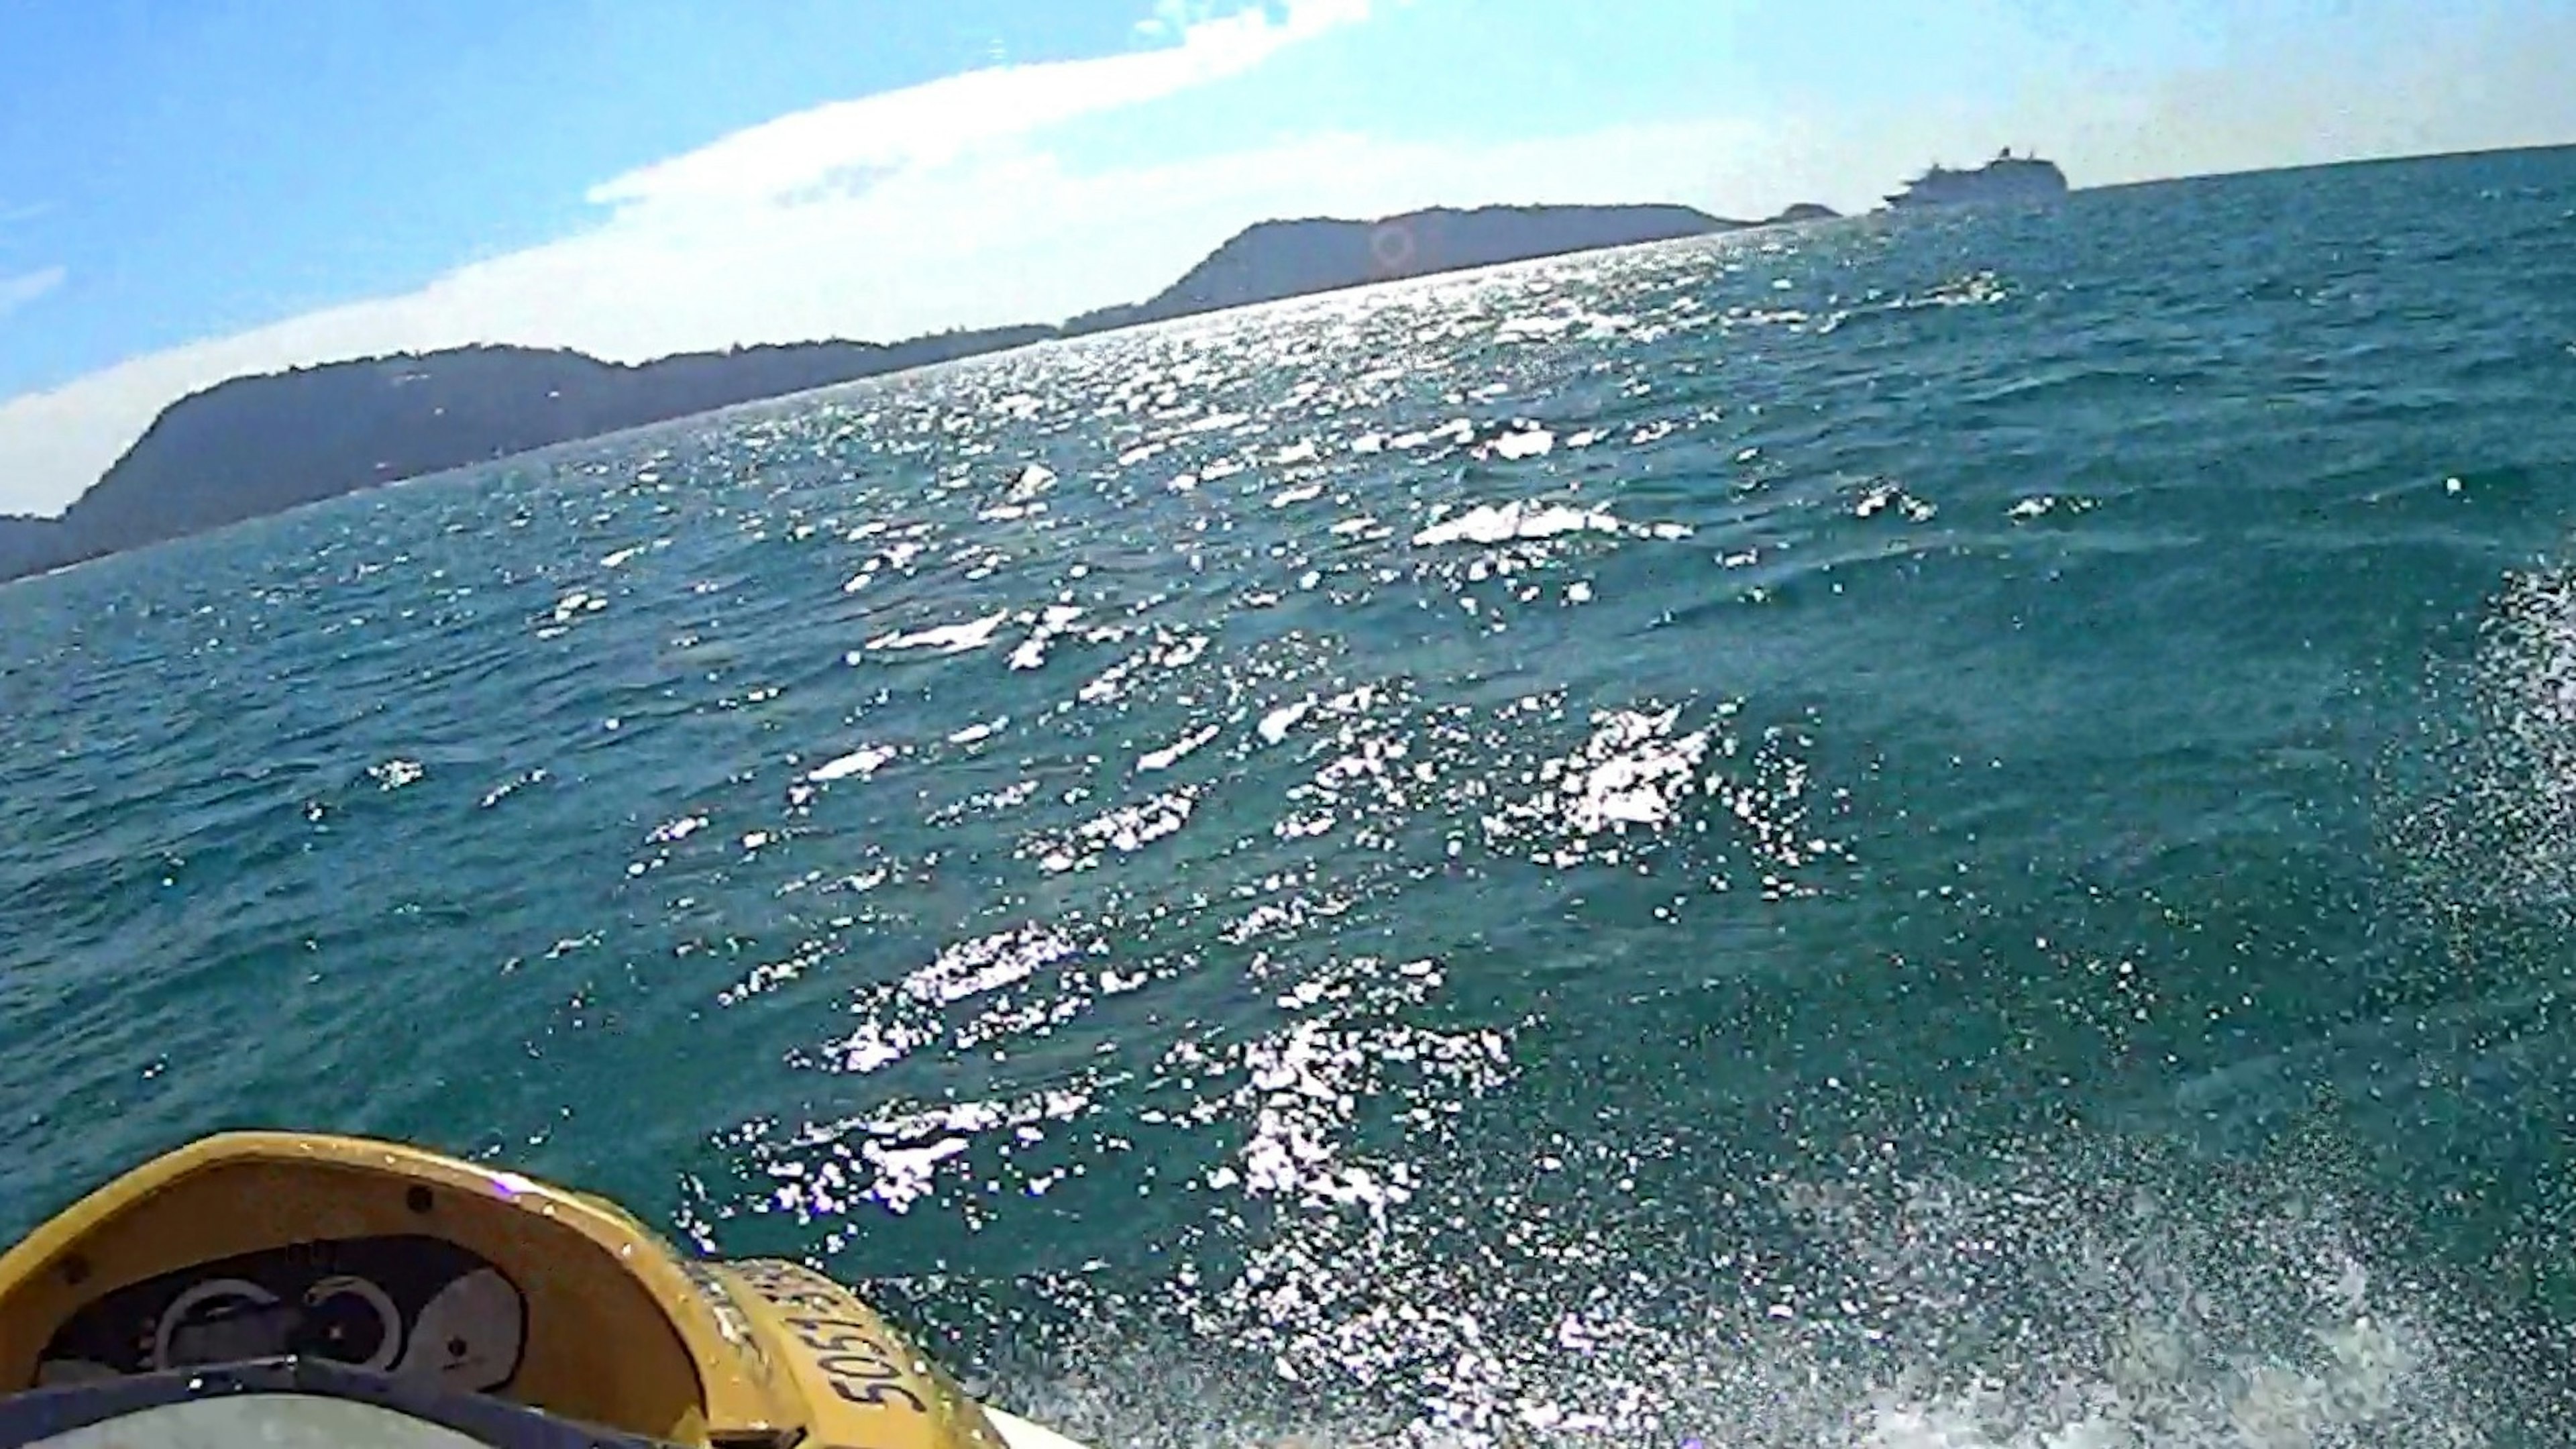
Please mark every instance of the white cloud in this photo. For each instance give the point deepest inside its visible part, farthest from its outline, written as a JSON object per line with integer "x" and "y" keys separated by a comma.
{"x": 18, "y": 291}
{"x": 942, "y": 205}
{"x": 838, "y": 149}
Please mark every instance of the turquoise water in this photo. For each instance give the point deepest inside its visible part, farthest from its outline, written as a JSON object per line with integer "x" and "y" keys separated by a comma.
{"x": 1956, "y": 830}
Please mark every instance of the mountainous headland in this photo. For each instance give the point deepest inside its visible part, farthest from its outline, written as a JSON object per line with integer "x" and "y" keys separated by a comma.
{"x": 1276, "y": 260}
{"x": 257, "y": 445}
{"x": 263, "y": 444}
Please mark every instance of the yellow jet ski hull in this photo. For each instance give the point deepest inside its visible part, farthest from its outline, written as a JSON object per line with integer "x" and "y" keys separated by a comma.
{"x": 467, "y": 1279}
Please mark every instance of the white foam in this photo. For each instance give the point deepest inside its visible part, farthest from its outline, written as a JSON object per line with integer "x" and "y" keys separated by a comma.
{"x": 904, "y": 1174}
{"x": 1125, "y": 830}
{"x": 2072, "y": 1306}
{"x": 1489, "y": 523}
{"x": 1882, "y": 496}
{"x": 860, "y": 763}
{"x": 676, "y": 830}
{"x": 577, "y": 603}
{"x": 1276, "y": 724}
{"x": 1032, "y": 653}
{"x": 948, "y": 638}
{"x": 1172, "y": 754}
{"x": 989, "y": 963}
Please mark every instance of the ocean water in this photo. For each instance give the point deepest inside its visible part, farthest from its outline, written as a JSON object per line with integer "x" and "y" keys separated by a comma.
{"x": 1946, "y": 830}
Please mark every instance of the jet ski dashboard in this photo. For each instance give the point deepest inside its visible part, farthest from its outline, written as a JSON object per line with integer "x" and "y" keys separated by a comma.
{"x": 285, "y": 1403}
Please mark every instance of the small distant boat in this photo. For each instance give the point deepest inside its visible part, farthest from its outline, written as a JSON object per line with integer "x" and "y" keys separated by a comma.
{"x": 299, "y": 1291}
{"x": 2006, "y": 178}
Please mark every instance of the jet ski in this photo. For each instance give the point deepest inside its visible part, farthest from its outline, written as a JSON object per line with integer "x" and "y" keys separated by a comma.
{"x": 291, "y": 1289}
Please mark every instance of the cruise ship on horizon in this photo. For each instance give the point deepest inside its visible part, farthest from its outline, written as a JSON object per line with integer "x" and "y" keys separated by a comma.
{"x": 2006, "y": 178}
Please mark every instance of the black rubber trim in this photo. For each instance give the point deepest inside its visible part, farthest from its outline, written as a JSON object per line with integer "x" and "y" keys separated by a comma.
{"x": 40, "y": 1414}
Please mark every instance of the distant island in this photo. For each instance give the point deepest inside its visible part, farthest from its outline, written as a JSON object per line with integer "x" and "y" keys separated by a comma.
{"x": 258, "y": 445}
{"x": 1277, "y": 260}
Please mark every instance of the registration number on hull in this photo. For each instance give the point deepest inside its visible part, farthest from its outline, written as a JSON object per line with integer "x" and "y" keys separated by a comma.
{"x": 853, "y": 1356}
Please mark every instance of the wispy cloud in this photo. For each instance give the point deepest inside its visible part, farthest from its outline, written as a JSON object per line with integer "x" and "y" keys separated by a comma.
{"x": 815, "y": 155}
{"x": 18, "y": 291}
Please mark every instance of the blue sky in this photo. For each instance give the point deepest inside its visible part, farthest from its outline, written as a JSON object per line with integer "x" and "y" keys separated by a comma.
{"x": 190, "y": 189}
